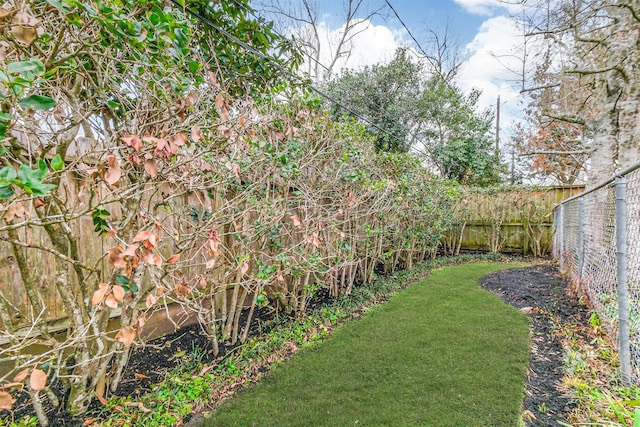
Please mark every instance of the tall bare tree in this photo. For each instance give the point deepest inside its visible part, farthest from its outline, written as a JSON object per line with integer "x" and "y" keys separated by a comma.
{"x": 598, "y": 41}
{"x": 323, "y": 49}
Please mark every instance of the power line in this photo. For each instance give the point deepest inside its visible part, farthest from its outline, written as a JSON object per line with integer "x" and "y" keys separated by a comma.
{"x": 280, "y": 68}
{"x": 360, "y": 95}
{"x": 428, "y": 57}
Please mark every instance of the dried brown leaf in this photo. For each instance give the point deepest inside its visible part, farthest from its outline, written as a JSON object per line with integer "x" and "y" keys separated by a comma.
{"x": 151, "y": 167}
{"x": 22, "y": 375}
{"x": 244, "y": 267}
{"x": 219, "y": 102}
{"x": 6, "y": 400}
{"x": 182, "y": 290}
{"x": 16, "y": 210}
{"x": 114, "y": 173}
{"x": 151, "y": 300}
{"x": 174, "y": 258}
{"x": 126, "y": 335}
{"x": 38, "y": 379}
{"x": 111, "y": 301}
{"x": 297, "y": 222}
{"x": 101, "y": 399}
{"x": 196, "y": 133}
{"x": 118, "y": 293}
{"x": 98, "y": 295}
{"x": 4, "y": 13}
{"x": 130, "y": 251}
{"x": 132, "y": 141}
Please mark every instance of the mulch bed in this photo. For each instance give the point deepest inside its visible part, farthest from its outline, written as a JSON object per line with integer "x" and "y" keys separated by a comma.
{"x": 542, "y": 294}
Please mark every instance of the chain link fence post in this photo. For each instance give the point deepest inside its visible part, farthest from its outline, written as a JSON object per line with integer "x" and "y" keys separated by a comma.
{"x": 580, "y": 237}
{"x": 623, "y": 289}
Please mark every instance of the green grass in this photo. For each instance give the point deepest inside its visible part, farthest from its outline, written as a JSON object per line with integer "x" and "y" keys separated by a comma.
{"x": 443, "y": 352}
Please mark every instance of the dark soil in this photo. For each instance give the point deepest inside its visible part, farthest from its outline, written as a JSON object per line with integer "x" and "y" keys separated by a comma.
{"x": 539, "y": 290}
{"x": 542, "y": 294}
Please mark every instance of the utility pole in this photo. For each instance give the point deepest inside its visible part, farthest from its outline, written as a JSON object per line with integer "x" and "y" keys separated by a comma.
{"x": 498, "y": 127}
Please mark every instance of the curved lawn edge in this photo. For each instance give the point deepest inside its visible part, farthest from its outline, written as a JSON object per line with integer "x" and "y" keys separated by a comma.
{"x": 441, "y": 352}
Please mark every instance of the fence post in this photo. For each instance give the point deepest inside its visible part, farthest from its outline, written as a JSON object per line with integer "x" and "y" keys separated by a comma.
{"x": 580, "y": 236}
{"x": 623, "y": 290}
{"x": 561, "y": 234}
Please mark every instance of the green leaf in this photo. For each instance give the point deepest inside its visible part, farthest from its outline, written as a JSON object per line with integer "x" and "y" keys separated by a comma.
{"x": 38, "y": 189}
{"x": 42, "y": 170}
{"x": 5, "y": 193}
{"x": 59, "y": 6}
{"x": 7, "y": 174}
{"x": 38, "y": 102}
{"x": 34, "y": 66}
{"x": 5, "y": 119}
{"x": 122, "y": 280}
{"x": 56, "y": 163}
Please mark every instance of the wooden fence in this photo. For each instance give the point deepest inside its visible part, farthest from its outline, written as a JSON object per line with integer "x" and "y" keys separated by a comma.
{"x": 516, "y": 220}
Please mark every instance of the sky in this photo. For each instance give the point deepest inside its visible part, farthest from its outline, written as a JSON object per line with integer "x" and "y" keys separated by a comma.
{"x": 485, "y": 33}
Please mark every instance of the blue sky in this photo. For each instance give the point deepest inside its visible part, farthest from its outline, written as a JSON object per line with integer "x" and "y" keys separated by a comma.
{"x": 488, "y": 41}
{"x": 422, "y": 14}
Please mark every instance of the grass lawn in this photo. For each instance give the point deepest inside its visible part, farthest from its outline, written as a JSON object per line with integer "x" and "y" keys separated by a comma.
{"x": 443, "y": 352}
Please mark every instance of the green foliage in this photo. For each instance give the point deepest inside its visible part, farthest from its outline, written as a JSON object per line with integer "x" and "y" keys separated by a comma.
{"x": 27, "y": 179}
{"x": 385, "y": 96}
{"x": 100, "y": 216}
{"x": 457, "y": 138}
{"x": 406, "y": 108}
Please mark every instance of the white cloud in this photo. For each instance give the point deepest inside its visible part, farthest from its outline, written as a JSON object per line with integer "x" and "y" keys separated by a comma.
{"x": 488, "y": 7}
{"x": 371, "y": 44}
{"x": 493, "y": 59}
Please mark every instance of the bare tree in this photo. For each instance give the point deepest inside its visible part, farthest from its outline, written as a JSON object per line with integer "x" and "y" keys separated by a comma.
{"x": 323, "y": 49}
{"x": 598, "y": 42}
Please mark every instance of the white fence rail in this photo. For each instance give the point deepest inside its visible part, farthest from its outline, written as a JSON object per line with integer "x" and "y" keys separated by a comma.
{"x": 597, "y": 241}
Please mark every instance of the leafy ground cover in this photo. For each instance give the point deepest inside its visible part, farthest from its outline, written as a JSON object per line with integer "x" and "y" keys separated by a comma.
{"x": 442, "y": 352}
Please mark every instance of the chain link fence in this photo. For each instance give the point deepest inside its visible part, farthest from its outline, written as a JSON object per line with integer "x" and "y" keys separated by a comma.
{"x": 597, "y": 241}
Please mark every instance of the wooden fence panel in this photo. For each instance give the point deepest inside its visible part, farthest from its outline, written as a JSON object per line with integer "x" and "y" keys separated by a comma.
{"x": 507, "y": 220}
